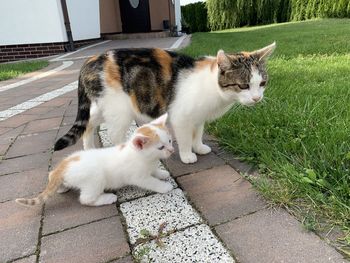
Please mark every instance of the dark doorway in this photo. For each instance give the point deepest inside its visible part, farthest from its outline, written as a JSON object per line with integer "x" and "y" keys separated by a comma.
{"x": 135, "y": 16}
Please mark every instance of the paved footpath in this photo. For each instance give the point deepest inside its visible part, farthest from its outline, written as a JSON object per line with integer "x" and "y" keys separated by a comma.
{"x": 212, "y": 215}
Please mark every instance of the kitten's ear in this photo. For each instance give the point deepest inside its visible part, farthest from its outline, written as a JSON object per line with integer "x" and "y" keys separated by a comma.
{"x": 161, "y": 120}
{"x": 223, "y": 60}
{"x": 264, "y": 53}
{"x": 139, "y": 141}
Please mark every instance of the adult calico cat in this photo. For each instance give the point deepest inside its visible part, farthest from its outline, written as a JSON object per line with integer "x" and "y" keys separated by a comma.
{"x": 123, "y": 85}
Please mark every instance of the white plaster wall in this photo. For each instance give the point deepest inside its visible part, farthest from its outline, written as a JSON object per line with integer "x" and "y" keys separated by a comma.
{"x": 84, "y": 16}
{"x": 41, "y": 21}
{"x": 30, "y": 22}
{"x": 178, "y": 15}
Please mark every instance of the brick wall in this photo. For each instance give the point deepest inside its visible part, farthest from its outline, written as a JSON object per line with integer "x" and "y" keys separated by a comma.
{"x": 26, "y": 51}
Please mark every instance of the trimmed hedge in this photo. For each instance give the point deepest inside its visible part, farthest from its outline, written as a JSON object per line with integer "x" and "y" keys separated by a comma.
{"x": 224, "y": 14}
{"x": 194, "y": 17}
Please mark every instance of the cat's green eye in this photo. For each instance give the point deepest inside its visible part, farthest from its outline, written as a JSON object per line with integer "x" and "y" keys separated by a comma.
{"x": 161, "y": 147}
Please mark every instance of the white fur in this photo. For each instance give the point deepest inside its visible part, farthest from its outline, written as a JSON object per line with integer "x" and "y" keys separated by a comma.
{"x": 115, "y": 167}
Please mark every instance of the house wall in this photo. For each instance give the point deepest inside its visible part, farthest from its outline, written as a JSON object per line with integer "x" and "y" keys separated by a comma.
{"x": 84, "y": 16}
{"x": 41, "y": 21}
{"x": 27, "y": 22}
{"x": 159, "y": 11}
{"x": 178, "y": 15}
{"x": 110, "y": 16}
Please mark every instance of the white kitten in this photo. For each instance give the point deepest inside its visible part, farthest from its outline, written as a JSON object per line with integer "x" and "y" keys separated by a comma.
{"x": 132, "y": 163}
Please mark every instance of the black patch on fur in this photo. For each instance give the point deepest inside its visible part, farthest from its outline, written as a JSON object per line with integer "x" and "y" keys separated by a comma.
{"x": 141, "y": 74}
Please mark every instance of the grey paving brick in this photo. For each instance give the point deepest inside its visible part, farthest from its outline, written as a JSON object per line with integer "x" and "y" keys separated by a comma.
{"x": 127, "y": 259}
{"x": 221, "y": 194}
{"x": 17, "y": 120}
{"x": 32, "y": 143}
{"x": 275, "y": 236}
{"x": 30, "y": 259}
{"x": 24, "y": 163}
{"x": 19, "y": 229}
{"x": 177, "y": 168}
{"x": 64, "y": 211}
{"x": 100, "y": 241}
{"x": 9, "y": 136}
{"x": 22, "y": 184}
{"x": 43, "y": 125}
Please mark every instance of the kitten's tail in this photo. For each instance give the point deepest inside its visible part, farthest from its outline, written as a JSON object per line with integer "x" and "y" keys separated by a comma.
{"x": 55, "y": 180}
{"x": 80, "y": 123}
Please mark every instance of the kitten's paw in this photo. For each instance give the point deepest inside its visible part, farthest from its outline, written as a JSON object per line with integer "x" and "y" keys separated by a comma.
{"x": 166, "y": 187}
{"x": 106, "y": 199}
{"x": 188, "y": 157}
{"x": 112, "y": 198}
{"x": 202, "y": 149}
{"x": 161, "y": 174}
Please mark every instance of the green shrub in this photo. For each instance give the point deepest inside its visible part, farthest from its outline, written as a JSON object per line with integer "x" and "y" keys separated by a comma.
{"x": 194, "y": 17}
{"x": 223, "y": 14}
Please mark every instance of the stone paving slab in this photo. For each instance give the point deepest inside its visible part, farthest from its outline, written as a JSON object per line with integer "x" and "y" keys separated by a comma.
{"x": 221, "y": 194}
{"x": 24, "y": 163}
{"x": 100, "y": 241}
{"x": 275, "y": 236}
{"x": 4, "y": 130}
{"x": 17, "y": 121}
{"x": 19, "y": 228}
{"x": 4, "y": 148}
{"x": 177, "y": 168}
{"x": 11, "y": 135}
{"x": 127, "y": 259}
{"x": 132, "y": 192}
{"x": 194, "y": 244}
{"x": 32, "y": 143}
{"x": 64, "y": 211}
{"x": 31, "y": 259}
{"x": 22, "y": 184}
{"x": 43, "y": 125}
{"x": 150, "y": 212}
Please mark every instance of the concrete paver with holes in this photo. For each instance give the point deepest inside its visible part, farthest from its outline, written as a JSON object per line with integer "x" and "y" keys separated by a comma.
{"x": 212, "y": 215}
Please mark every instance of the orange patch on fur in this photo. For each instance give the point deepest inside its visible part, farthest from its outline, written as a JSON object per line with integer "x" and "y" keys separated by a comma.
{"x": 92, "y": 59}
{"x": 111, "y": 72}
{"x": 246, "y": 54}
{"x": 164, "y": 60}
{"x": 149, "y": 133}
{"x": 160, "y": 126}
{"x": 134, "y": 101}
{"x": 209, "y": 62}
{"x": 56, "y": 178}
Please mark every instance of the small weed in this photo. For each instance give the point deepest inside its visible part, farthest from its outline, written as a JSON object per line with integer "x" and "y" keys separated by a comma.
{"x": 146, "y": 236}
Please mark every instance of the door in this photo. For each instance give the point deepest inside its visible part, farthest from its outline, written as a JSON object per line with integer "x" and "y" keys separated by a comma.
{"x": 135, "y": 16}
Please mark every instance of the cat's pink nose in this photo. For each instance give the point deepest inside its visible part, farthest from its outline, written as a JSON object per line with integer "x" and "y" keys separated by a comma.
{"x": 256, "y": 98}
{"x": 171, "y": 150}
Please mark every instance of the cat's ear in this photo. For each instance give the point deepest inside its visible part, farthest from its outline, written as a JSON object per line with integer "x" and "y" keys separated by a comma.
{"x": 161, "y": 120}
{"x": 139, "y": 141}
{"x": 264, "y": 53}
{"x": 223, "y": 61}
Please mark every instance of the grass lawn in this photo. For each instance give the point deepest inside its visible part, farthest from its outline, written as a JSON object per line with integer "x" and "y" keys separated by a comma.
{"x": 300, "y": 135}
{"x": 12, "y": 70}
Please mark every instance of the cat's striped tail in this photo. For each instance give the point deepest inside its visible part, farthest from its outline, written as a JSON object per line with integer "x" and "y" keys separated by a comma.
{"x": 80, "y": 123}
{"x": 54, "y": 182}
